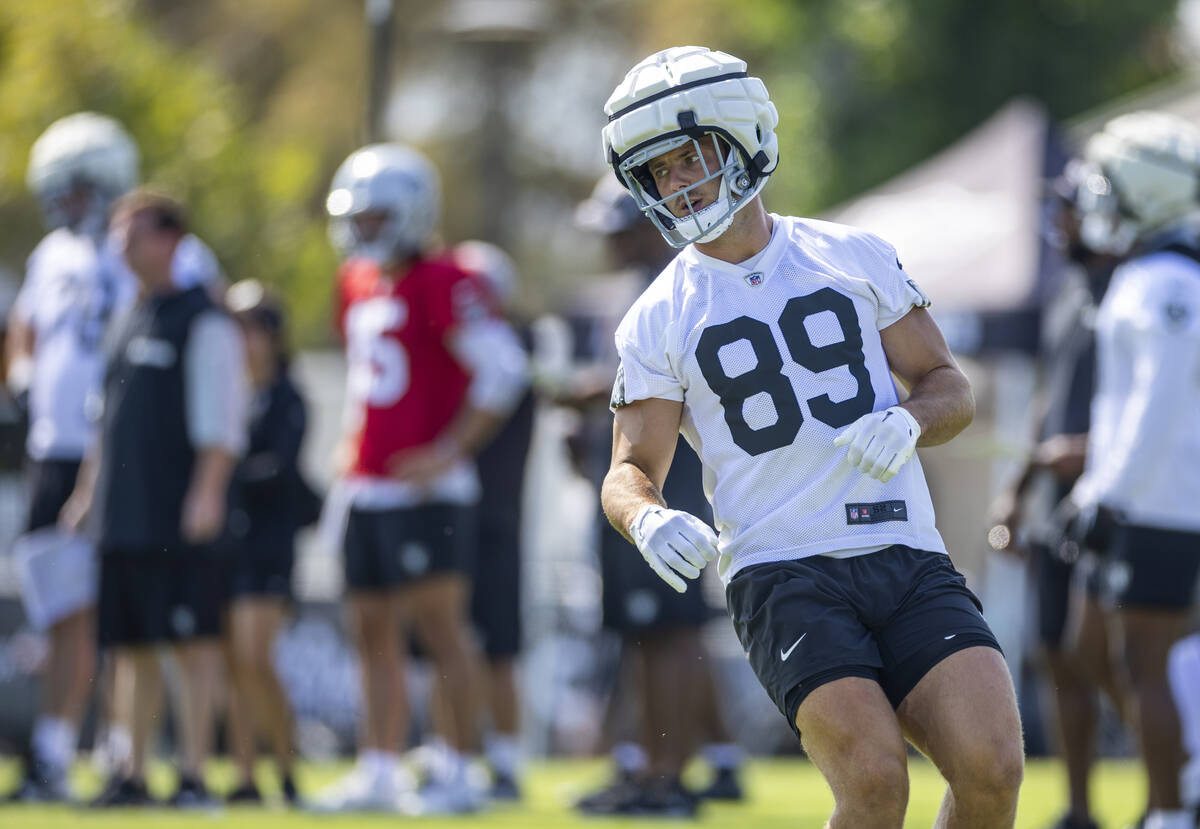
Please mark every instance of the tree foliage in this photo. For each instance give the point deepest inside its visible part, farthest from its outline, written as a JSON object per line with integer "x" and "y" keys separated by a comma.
{"x": 244, "y": 107}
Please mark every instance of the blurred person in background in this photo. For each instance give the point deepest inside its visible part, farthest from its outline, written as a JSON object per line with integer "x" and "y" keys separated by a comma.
{"x": 271, "y": 502}
{"x": 155, "y": 491}
{"x": 837, "y": 581}
{"x": 1022, "y": 516}
{"x": 432, "y": 373}
{"x": 659, "y": 628}
{"x": 1141, "y": 479}
{"x": 496, "y": 600}
{"x": 73, "y": 287}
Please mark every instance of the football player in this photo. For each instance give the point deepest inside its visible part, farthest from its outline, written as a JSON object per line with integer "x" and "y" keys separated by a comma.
{"x": 432, "y": 373}
{"x": 1142, "y": 473}
{"x": 770, "y": 342}
{"x": 73, "y": 286}
{"x": 1024, "y": 516}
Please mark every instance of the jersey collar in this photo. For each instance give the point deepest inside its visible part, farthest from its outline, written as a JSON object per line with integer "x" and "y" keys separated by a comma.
{"x": 762, "y": 266}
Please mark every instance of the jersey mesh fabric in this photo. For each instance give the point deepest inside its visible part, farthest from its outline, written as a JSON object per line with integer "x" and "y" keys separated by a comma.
{"x": 72, "y": 289}
{"x": 1144, "y": 447}
{"x": 794, "y": 347}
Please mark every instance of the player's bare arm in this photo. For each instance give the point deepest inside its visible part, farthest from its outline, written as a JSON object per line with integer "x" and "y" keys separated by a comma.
{"x": 644, "y": 435}
{"x": 674, "y": 543}
{"x": 463, "y": 438}
{"x": 940, "y": 397}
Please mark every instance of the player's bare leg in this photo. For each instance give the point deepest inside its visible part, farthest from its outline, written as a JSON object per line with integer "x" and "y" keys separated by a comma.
{"x": 375, "y": 622}
{"x": 1146, "y": 637}
{"x": 851, "y": 733}
{"x": 137, "y": 694}
{"x": 437, "y": 608}
{"x": 1090, "y": 646}
{"x": 1076, "y": 715}
{"x": 253, "y": 624}
{"x": 667, "y": 661}
{"x": 73, "y": 666}
{"x": 200, "y": 674}
{"x": 963, "y": 716}
{"x": 503, "y": 705}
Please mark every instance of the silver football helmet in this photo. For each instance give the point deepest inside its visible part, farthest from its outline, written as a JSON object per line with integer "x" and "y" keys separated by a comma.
{"x": 692, "y": 94}
{"x": 78, "y": 167}
{"x": 394, "y": 181}
{"x": 1139, "y": 177}
{"x": 495, "y": 267}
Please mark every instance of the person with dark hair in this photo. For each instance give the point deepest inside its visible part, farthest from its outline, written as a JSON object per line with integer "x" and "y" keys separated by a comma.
{"x": 155, "y": 494}
{"x": 271, "y": 501}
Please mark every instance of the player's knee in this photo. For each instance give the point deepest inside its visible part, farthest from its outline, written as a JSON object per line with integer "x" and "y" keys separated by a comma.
{"x": 879, "y": 786}
{"x": 992, "y": 769}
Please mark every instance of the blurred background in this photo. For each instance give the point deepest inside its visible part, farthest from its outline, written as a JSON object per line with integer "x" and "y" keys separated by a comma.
{"x": 933, "y": 124}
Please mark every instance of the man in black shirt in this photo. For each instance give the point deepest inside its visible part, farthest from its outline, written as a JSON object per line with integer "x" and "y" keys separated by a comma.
{"x": 172, "y": 429}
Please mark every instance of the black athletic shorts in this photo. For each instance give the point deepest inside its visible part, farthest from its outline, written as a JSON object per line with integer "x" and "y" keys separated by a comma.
{"x": 262, "y": 551}
{"x": 1148, "y": 567}
{"x": 1052, "y": 578}
{"x": 635, "y": 599}
{"x": 889, "y": 616}
{"x": 160, "y": 597}
{"x": 496, "y": 599}
{"x": 51, "y": 483}
{"x": 391, "y": 548}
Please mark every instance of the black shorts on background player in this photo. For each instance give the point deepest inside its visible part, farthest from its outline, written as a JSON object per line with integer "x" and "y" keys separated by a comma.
{"x": 390, "y": 548}
{"x": 496, "y": 602}
{"x": 889, "y": 616}
{"x": 51, "y": 483}
{"x": 160, "y": 597}
{"x": 1150, "y": 567}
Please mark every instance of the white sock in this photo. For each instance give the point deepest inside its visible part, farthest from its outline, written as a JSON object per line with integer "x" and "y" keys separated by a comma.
{"x": 454, "y": 767}
{"x": 1173, "y": 819}
{"x": 724, "y": 756}
{"x": 119, "y": 745}
{"x": 503, "y": 752}
{"x": 54, "y": 742}
{"x": 629, "y": 757}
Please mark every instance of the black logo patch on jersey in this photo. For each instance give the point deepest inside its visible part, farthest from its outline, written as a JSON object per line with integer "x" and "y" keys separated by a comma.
{"x": 618, "y": 393}
{"x": 1177, "y": 315}
{"x": 876, "y": 513}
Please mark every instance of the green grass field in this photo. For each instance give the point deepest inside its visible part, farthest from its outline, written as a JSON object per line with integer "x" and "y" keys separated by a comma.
{"x": 783, "y": 793}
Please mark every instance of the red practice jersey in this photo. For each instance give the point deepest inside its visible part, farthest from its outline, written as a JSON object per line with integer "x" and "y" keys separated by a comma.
{"x": 404, "y": 386}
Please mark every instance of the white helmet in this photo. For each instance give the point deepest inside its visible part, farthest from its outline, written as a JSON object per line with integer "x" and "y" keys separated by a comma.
{"x": 384, "y": 178}
{"x": 82, "y": 149}
{"x": 690, "y": 93}
{"x": 495, "y": 267}
{"x": 1140, "y": 176}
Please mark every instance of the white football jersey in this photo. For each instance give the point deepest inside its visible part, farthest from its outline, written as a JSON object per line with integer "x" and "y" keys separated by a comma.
{"x": 1144, "y": 443}
{"x": 71, "y": 291}
{"x": 771, "y": 364}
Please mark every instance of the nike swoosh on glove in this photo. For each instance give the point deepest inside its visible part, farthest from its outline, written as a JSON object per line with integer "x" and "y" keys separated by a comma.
{"x": 881, "y": 442}
{"x": 673, "y": 542}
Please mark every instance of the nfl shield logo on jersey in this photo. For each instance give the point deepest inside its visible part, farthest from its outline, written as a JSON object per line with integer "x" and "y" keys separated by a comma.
{"x": 754, "y": 279}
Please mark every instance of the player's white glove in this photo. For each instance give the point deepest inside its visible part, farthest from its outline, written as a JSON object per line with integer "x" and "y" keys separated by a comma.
{"x": 881, "y": 442}
{"x": 673, "y": 542}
